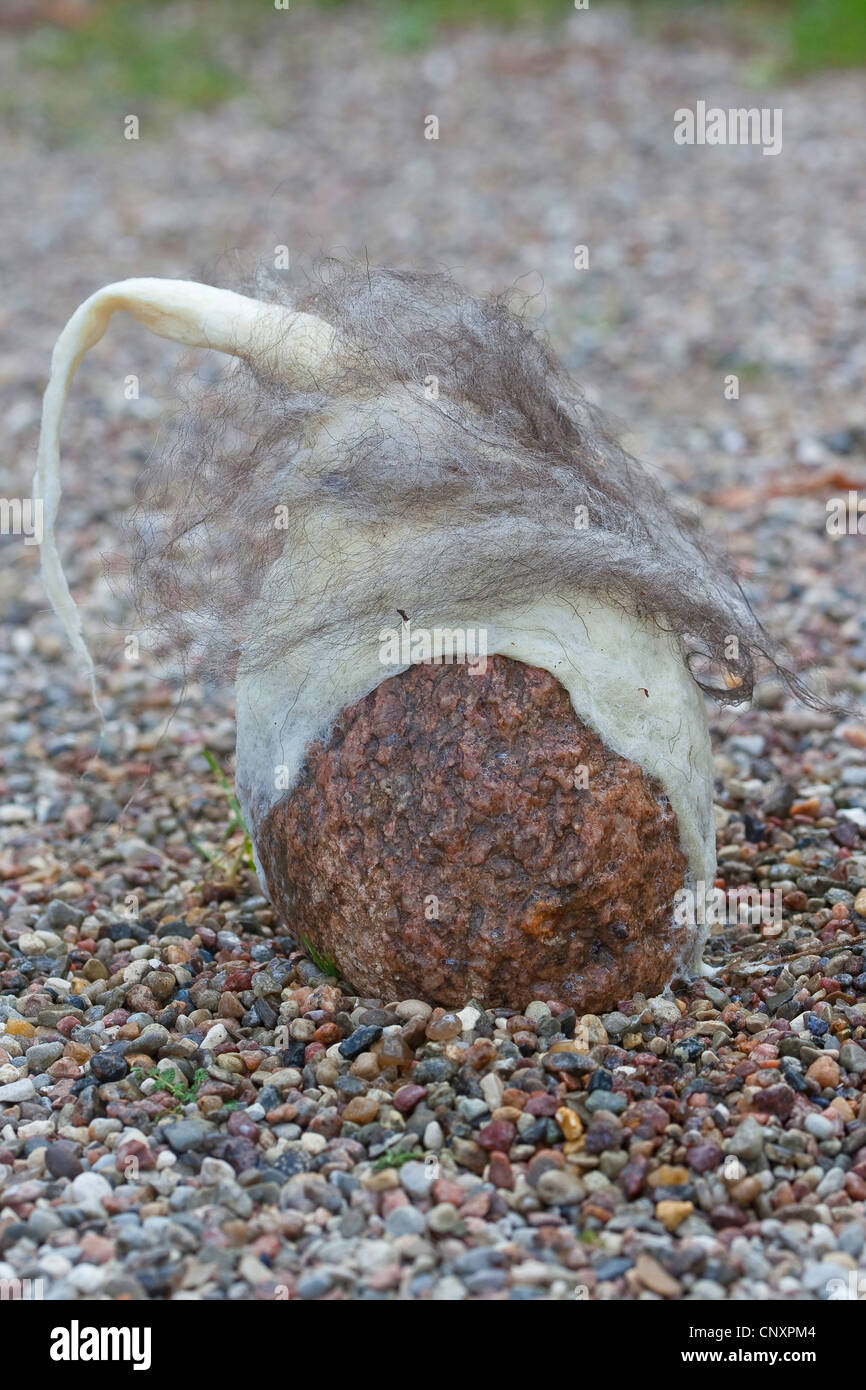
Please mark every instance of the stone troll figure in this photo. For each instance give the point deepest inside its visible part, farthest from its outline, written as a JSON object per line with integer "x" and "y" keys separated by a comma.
{"x": 389, "y": 455}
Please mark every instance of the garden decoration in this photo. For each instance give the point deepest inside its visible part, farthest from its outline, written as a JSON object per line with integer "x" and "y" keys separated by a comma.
{"x": 470, "y": 636}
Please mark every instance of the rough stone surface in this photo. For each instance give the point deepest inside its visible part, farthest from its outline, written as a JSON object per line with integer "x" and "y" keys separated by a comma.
{"x": 452, "y": 791}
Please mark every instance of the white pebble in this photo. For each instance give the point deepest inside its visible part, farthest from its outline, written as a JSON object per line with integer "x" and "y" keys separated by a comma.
{"x": 663, "y": 1010}
{"x": 17, "y": 1090}
{"x": 89, "y": 1190}
{"x": 433, "y": 1136}
{"x": 214, "y": 1037}
{"x": 371, "y": 1254}
{"x": 313, "y": 1143}
{"x": 491, "y": 1089}
{"x": 86, "y": 1278}
{"x": 216, "y": 1170}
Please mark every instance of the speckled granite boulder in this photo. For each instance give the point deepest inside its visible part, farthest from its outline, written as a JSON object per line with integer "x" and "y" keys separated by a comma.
{"x": 465, "y": 835}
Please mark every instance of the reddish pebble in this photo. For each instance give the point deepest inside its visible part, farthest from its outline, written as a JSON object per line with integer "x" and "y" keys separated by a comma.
{"x": 444, "y": 1190}
{"x": 238, "y": 980}
{"x": 633, "y": 1175}
{"x": 498, "y": 1134}
{"x": 327, "y": 1123}
{"x": 408, "y": 1097}
{"x": 96, "y": 1249}
{"x": 240, "y": 1124}
{"x": 542, "y": 1103}
{"x": 327, "y": 1034}
{"x": 702, "y": 1158}
{"x": 477, "y": 1205}
{"x": 393, "y": 1199}
{"x": 282, "y": 1114}
{"x": 643, "y": 1059}
{"x": 132, "y": 1157}
{"x": 726, "y": 1214}
{"x": 479, "y": 1055}
{"x": 795, "y": 902}
{"x": 646, "y": 1116}
{"x": 777, "y": 1100}
{"x": 855, "y": 1186}
{"x": 500, "y": 1173}
{"x": 64, "y": 1067}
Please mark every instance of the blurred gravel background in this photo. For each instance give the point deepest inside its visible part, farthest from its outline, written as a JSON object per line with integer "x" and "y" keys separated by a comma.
{"x": 306, "y": 128}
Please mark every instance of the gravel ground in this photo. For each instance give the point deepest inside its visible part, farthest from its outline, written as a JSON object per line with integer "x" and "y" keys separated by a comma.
{"x": 190, "y": 1109}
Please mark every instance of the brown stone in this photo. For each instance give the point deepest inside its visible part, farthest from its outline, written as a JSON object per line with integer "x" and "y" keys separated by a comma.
{"x": 569, "y": 1122}
{"x": 672, "y": 1214}
{"x": 365, "y": 1066}
{"x": 361, "y": 1110}
{"x": 500, "y": 1172}
{"x": 393, "y": 1052}
{"x": 161, "y": 984}
{"x": 140, "y": 1000}
{"x": 668, "y": 1176}
{"x": 437, "y": 844}
{"x": 825, "y": 1071}
{"x": 654, "y": 1277}
{"x": 481, "y": 1055}
{"x": 443, "y": 1028}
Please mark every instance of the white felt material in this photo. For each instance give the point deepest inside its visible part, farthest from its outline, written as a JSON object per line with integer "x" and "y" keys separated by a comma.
{"x": 185, "y": 312}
